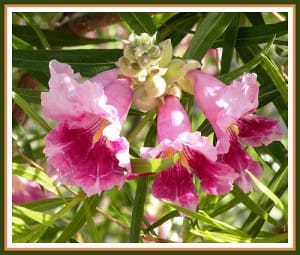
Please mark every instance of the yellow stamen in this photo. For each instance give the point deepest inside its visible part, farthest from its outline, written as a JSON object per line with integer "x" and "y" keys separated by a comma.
{"x": 183, "y": 160}
{"x": 99, "y": 131}
{"x": 234, "y": 128}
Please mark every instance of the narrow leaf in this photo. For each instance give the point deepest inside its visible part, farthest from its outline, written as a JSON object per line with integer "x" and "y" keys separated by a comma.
{"x": 139, "y": 22}
{"x": 47, "y": 204}
{"x": 213, "y": 25}
{"x": 90, "y": 222}
{"x": 34, "y": 174}
{"x": 30, "y": 112}
{"x": 204, "y": 217}
{"x": 269, "y": 193}
{"x": 30, "y": 95}
{"x": 138, "y": 209}
{"x": 253, "y": 206}
{"x": 42, "y": 218}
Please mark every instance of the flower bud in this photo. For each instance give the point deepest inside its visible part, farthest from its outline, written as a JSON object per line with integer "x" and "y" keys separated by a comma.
{"x": 144, "y": 61}
{"x": 129, "y": 52}
{"x": 166, "y": 49}
{"x": 191, "y": 64}
{"x": 174, "y": 91}
{"x": 143, "y": 102}
{"x": 176, "y": 70}
{"x": 154, "y": 52}
{"x": 186, "y": 85}
{"x": 155, "y": 86}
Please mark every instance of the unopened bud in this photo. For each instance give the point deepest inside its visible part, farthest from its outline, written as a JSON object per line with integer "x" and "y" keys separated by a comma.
{"x": 129, "y": 52}
{"x": 166, "y": 49}
{"x": 144, "y": 61}
{"x": 154, "y": 52}
{"x": 143, "y": 102}
{"x": 174, "y": 91}
{"x": 155, "y": 86}
{"x": 186, "y": 85}
{"x": 191, "y": 64}
{"x": 176, "y": 70}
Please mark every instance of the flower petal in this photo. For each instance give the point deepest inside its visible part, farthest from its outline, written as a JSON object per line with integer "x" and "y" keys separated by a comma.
{"x": 81, "y": 161}
{"x": 70, "y": 99}
{"x": 255, "y": 130}
{"x": 216, "y": 178}
{"x": 172, "y": 119}
{"x": 240, "y": 161}
{"x": 117, "y": 90}
{"x": 223, "y": 105}
{"x": 176, "y": 184}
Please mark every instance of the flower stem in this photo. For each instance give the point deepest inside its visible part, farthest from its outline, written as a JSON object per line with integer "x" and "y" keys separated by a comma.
{"x": 138, "y": 209}
{"x": 147, "y": 119}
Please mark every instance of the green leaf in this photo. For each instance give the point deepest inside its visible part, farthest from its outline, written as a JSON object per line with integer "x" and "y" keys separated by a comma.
{"x": 230, "y": 36}
{"x": 42, "y": 218}
{"x": 253, "y": 206}
{"x": 34, "y": 174}
{"x": 20, "y": 137}
{"x": 139, "y": 22}
{"x": 30, "y": 234}
{"x": 163, "y": 219}
{"x": 220, "y": 237}
{"x": 87, "y": 62}
{"x": 213, "y": 25}
{"x": 276, "y": 77}
{"x": 78, "y": 220}
{"x": 140, "y": 165}
{"x": 54, "y": 37}
{"x": 177, "y": 27}
{"x": 30, "y": 112}
{"x": 90, "y": 222}
{"x": 269, "y": 193}
{"x": 204, "y": 217}
{"x": 255, "y": 18}
{"x": 30, "y": 21}
{"x": 47, "y": 204}
{"x": 254, "y": 35}
{"x": 138, "y": 209}
{"x": 30, "y": 95}
{"x": 19, "y": 44}
{"x": 255, "y": 61}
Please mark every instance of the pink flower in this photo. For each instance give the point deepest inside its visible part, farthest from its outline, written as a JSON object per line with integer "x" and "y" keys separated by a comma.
{"x": 24, "y": 191}
{"x": 85, "y": 147}
{"x": 197, "y": 156}
{"x": 231, "y": 107}
{"x": 240, "y": 161}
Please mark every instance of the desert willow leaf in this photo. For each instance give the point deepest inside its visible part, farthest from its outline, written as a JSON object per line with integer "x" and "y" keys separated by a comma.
{"x": 30, "y": 112}
{"x": 263, "y": 188}
{"x": 204, "y": 217}
{"x": 139, "y": 22}
{"x": 36, "y": 175}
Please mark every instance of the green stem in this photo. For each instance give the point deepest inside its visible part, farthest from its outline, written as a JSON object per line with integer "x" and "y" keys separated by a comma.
{"x": 147, "y": 119}
{"x": 138, "y": 209}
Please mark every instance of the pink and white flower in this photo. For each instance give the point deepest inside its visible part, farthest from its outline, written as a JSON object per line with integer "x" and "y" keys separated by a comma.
{"x": 197, "y": 157}
{"x": 86, "y": 148}
{"x": 230, "y": 110}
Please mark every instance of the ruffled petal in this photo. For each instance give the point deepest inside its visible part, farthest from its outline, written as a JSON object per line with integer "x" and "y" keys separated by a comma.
{"x": 70, "y": 99}
{"x": 172, "y": 119}
{"x": 176, "y": 185}
{"x": 117, "y": 90}
{"x": 223, "y": 105}
{"x": 82, "y": 161}
{"x": 216, "y": 178}
{"x": 240, "y": 161}
{"x": 255, "y": 130}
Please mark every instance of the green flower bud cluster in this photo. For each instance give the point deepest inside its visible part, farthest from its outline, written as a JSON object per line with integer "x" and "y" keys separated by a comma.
{"x": 152, "y": 70}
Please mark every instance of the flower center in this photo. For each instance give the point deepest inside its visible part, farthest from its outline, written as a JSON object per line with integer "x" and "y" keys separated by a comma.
{"x": 234, "y": 128}
{"x": 99, "y": 131}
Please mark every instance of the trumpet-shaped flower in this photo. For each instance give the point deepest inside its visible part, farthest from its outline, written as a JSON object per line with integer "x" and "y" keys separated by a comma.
{"x": 232, "y": 107}
{"x": 197, "y": 156}
{"x": 85, "y": 148}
